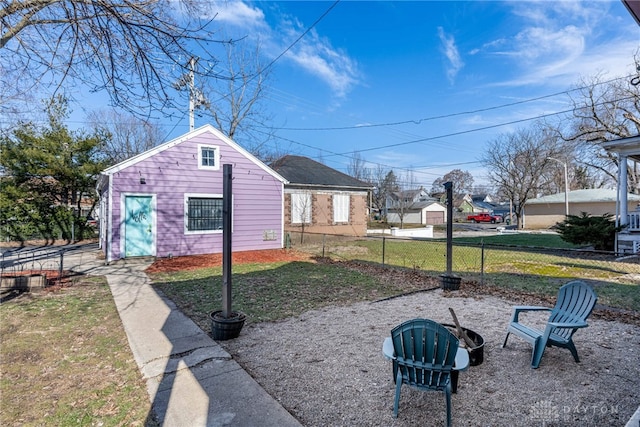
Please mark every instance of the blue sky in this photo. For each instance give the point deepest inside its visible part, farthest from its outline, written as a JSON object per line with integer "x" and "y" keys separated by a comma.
{"x": 411, "y": 84}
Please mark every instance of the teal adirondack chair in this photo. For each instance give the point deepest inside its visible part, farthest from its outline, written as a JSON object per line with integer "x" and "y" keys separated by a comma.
{"x": 575, "y": 302}
{"x": 424, "y": 353}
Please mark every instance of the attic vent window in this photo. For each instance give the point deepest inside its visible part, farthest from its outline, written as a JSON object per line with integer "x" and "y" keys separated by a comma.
{"x": 208, "y": 157}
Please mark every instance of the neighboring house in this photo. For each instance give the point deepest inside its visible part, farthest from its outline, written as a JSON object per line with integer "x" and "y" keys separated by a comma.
{"x": 627, "y": 149}
{"x": 464, "y": 204}
{"x": 414, "y": 207}
{"x": 407, "y": 197}
{"x": 483, "y": 203}
{"x": 319, "y": 199}
{"x": 429, "y": 212}
{"x": 482, "y": 198}
{"x": 168, "y": 201}
{"x": 627, "y": 240}
{"x": 544, "y": 212}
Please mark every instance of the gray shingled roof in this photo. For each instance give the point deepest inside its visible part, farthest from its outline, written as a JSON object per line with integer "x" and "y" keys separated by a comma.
{"x": 583, "y": 196}
{"x": 299, "y": 170}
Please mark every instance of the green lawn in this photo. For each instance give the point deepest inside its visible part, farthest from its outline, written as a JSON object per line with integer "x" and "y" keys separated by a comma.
{"x": 540, "y": 240}
{"x": 527, "y": 261}
{"x": 270, "y": 292}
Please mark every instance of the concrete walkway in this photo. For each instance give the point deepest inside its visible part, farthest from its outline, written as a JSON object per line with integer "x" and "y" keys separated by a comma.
{"x": 191, "y": 380}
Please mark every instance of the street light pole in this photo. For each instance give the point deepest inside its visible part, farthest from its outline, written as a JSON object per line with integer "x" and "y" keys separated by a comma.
{"x": 566, "y": 185}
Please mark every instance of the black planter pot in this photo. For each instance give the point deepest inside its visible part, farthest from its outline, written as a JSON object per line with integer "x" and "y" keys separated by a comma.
{"x": 476, "y": 354}
{"x": 450, "y": 282}
{"x": 226, "y": 328}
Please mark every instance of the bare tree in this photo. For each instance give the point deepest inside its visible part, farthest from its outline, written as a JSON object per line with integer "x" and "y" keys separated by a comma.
{"x": 125, "y": 135}
{"x": 404, "y": 197}
{"x": 357, "y": 167}
{"x": 384, "y": 183}
{"x": 302, "y": 210}
{"x": 519, "y": 163}
{"x": 235, "y": 104}
{"x": 462, "y": 182}
{"x": 604, "y": 111}
{"x": 134, "y": 50}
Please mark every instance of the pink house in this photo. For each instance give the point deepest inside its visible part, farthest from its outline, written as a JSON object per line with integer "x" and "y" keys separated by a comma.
{"x": 168, "y": 201}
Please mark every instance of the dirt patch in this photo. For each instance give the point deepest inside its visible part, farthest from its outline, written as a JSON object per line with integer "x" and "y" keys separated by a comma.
{"x": 473, "y": 289}
{"x": 215, "y": 260}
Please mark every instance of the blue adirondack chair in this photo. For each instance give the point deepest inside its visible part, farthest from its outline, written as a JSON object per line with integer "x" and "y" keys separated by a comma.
{"x": 424, "y": 353}
{"x": 575, "y": 302}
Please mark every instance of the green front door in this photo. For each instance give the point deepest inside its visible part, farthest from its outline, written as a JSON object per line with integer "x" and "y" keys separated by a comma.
{"x": 139, "y": 235}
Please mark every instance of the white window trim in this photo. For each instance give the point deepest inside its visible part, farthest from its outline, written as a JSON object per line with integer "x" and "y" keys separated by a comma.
{"x": 335, "y": 208}
{"x": 187, "y": 196}
{"x": 294, "y": 217}
{"x": 216, "y": 157}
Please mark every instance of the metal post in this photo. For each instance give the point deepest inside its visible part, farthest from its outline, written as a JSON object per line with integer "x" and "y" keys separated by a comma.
{"x": 566, "y": 191}
{"x": 61, "y": 268}
{"x": 449, "y": 187}
{"x": 384, "y": 241}
{"x": 482, "y": 263}
{"x": 226, "y": 239}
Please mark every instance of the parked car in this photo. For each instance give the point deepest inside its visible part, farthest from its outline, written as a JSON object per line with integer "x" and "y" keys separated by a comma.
{"x": 484, "y": 217}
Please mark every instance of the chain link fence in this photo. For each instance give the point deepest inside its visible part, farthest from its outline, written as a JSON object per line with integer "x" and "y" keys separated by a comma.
{"x": 481, "y": 262}
{"x": 26, "y": 268}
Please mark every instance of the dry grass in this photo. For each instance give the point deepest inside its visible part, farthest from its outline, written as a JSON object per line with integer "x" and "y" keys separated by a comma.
{"x": 66, "y": 360}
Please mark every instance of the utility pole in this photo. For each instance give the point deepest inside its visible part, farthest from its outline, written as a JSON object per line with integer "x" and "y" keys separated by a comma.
{"x": 192, "y": 93}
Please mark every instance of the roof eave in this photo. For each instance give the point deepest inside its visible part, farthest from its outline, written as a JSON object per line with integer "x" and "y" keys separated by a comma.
{"x": 328, "y": 186}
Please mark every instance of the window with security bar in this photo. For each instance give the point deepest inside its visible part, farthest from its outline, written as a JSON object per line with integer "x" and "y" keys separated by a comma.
{"x": 204, "y": 214}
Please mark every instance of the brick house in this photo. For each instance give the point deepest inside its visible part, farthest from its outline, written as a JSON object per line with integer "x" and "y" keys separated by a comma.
{"x": 319, "y": 199}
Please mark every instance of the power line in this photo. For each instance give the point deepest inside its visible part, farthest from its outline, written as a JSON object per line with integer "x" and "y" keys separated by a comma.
{"x": 317, "y": 21}
{"x": 349, "y": 155}
{"x": 446, "y": 116}
{"x": 287, "y": 49}
{"x": 542, "y": 116}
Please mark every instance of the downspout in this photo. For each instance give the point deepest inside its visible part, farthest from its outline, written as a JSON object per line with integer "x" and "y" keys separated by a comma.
{"x": 109, "y": 230}
{"x": 100, "y": 205}
{"x": 621, "y": 197}
{"x": 282, "y": 224}
{"x": 622, "y": 188}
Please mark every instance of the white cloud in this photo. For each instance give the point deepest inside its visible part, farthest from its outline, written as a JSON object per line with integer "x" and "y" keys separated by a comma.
{"x": 474, "y": 120}
{"x": 558, "y": 42}
{"x": 450, "y": 50}
{"x": 237, "y": 13}
{"x": 333, "y": 66}
{"x": 313, "y": 53}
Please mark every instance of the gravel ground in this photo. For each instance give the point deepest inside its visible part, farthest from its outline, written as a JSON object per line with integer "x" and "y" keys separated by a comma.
{"x": 327, "y": 369}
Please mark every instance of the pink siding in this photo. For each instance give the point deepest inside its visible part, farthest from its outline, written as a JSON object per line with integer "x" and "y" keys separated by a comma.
{"x": 170, "y": 174}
